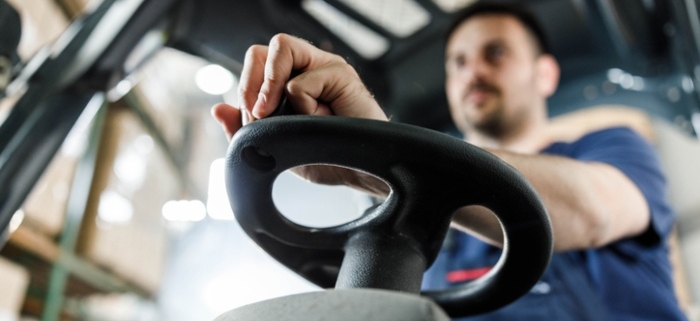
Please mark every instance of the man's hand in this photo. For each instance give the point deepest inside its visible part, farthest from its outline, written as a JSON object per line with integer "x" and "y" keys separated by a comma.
{"x": 325, "y": 85}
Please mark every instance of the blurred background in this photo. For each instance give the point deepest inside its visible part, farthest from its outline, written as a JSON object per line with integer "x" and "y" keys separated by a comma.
{"x": 130, "y": 220}
{"x": 156, "y": 239}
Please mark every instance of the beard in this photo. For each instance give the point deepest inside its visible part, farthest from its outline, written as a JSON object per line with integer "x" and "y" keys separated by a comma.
{"x": 489, "y": 120}
{"x": 495, "y": 119}
{"x": 499, "y": 121}
{"x": 494, "y": 125}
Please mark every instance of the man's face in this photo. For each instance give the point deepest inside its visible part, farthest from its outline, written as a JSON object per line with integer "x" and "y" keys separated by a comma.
{"x": 491, "y": 74}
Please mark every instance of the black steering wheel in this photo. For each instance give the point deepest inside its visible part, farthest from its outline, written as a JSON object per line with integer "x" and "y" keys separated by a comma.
{"x": 430, "y": 175}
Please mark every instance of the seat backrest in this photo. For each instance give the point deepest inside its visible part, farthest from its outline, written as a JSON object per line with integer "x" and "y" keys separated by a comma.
{"x": 680, "y": 155}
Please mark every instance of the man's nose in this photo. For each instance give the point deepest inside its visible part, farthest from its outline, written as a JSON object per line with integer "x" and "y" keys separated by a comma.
{"x": 475, "y": 71}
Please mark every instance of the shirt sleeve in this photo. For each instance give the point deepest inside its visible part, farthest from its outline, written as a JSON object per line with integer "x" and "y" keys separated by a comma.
{"x": 636, "y": 158}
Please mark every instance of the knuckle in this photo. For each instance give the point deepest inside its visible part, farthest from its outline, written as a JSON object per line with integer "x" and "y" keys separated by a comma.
{"x": 294, "y": 88}
{"x": 339, "y": 60}
{"x": 279, "y": 40}
{"x": 254, "y": 50}
{"x": 346, "y": 68}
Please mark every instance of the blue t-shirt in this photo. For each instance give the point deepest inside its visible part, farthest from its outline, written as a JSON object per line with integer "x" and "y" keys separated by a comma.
{"x": 626, "y": 280}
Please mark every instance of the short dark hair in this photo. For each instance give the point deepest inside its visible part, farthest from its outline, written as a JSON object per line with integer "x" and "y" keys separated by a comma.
{"x": 517, "y": 11}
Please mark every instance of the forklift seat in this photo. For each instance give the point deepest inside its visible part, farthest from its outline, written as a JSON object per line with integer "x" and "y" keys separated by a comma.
{"x": 341, "y": 305}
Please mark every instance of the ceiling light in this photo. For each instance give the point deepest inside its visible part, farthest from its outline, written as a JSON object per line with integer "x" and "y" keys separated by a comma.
{"x": 453, "y": 5}
{"x": 130, "y": 168}
{"x": 16, "y": 220}
{"x": 366, "y": 42}
{"x": 184, "y": 211}
{"x": 218, "y": 206}
{"x": 214, "y": 79}
{"x": 400, "y": 17}
{"x": 114, "y": 208}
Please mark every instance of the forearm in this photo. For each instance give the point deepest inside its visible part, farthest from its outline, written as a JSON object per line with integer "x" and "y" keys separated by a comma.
{"x": 335, "y": 175}
{"x": 590, "y": 204}
{"x": 570, "y": 192}
{"x": 368, "y": 184}
{"x": 480, "y": 222}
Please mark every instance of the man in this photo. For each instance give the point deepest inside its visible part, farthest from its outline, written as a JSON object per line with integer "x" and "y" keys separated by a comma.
{"x": 604, "y": 192}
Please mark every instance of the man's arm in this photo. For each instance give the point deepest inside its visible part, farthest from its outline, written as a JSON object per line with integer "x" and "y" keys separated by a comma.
{"x": 590, "y": 204}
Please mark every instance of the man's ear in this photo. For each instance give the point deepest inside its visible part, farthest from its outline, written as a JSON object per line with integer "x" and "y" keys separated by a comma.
{"x": 548, "y": 75}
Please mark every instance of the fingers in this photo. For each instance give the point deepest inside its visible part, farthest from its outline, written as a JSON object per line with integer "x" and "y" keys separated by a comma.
{"x": 252, "y": 76}
{"x": 229, "y": 117}
{"x": 326, "y": 84}
{"x": 284, "y": 55}
{"x": 333, "y": 89}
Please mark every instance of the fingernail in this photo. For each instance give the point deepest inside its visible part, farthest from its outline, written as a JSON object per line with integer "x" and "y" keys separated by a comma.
{"x": 259, "y": 106}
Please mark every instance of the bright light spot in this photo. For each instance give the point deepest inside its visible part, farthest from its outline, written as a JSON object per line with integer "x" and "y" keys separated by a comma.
{"x": 687, "y": 84}
{"x": 114, "y": 208}
{"x": 16, "y": 220}
{"x": 214, "y": 79}
{"x": 184, "y": 211}
{"x": 626, "y": 81}
{"x": 130, "y": 168}
{"x": 637, "y": 83}
{"x": 695, "y": 121}
{"x": 121, "y": 89}
{"x": 218, "y": 205}
{"x": 77, "y": 140}
{"x": 144, "y": 144}
{"x": 73, "y": 146}
{"x": 366, "y": 42}
{"x": 615, "y": 75}
{"x": 453, "y": 5}
{"x": 400, "y": 17}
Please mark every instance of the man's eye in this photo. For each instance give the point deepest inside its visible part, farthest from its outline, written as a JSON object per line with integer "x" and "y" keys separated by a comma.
{"x": 459, "y": 62}
{"x": 494, "y": 52}
{"x": 455, "y": 64}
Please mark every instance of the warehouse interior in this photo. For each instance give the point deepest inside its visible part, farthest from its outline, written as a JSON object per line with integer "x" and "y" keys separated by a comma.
{"x": 130, "y": 219}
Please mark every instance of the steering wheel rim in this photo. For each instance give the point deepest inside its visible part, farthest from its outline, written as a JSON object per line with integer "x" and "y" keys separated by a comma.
{"x": 413, "y": 219}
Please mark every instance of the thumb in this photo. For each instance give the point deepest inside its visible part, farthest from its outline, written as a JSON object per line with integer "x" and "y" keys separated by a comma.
{"x": 229, "y": 118}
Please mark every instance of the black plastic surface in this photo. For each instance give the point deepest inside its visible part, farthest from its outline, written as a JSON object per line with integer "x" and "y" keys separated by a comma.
{"x": 430, "y": 174}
